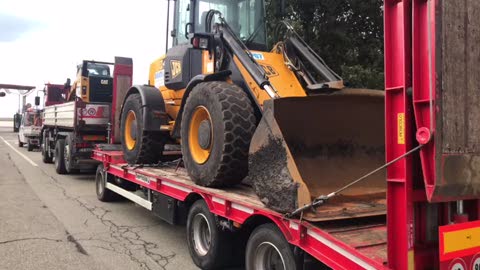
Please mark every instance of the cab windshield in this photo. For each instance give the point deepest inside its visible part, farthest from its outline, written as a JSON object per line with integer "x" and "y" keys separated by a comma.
{"x": 245, "y": 17}
{"x": 32, "y": 118}
{"x": 98, "y": 70}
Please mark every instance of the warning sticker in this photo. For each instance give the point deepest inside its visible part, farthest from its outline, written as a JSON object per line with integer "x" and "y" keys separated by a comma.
{"x": 401, "y": 128}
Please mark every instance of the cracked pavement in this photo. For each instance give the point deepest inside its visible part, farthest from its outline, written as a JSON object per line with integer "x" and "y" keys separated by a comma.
{"x": 51, "y": 221}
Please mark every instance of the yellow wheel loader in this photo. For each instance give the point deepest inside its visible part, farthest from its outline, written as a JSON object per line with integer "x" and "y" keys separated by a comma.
{"x": 279, "y": 118}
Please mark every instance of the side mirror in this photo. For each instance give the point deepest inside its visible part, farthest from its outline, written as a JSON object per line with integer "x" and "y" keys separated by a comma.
{"x": 37, "y": 101}
{"x": 2, "y": 94}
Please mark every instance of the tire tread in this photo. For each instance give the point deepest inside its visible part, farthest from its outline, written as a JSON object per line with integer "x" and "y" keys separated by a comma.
{"x": 239, "y": 125}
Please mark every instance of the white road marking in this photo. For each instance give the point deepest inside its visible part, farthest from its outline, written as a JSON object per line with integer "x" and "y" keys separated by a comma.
{"x": 20, "y": 153}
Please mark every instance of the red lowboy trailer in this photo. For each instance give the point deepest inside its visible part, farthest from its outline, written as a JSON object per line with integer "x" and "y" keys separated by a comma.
{"x": 432, "y": 202}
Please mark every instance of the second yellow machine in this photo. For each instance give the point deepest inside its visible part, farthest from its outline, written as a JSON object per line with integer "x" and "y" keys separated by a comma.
{"x": 238, "y": 108}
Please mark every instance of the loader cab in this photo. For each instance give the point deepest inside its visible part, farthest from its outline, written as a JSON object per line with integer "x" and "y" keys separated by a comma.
{"x": 94, "y": 82}
{"x": 245, "y": 17}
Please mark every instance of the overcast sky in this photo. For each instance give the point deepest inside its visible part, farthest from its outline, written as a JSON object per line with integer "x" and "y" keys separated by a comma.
{"x": 43, "y": 40}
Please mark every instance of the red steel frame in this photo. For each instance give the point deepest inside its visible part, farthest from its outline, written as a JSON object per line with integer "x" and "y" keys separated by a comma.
{"x": 400, "y": 227}
{"x": 120, "y": 70}
{"x": 424, "y": 72}
{"x": 410, "y": 61}
{"x": 311, "y": 239}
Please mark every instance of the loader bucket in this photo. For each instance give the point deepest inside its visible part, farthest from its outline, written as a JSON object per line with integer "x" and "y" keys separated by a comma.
{"x": 305, "y": 147}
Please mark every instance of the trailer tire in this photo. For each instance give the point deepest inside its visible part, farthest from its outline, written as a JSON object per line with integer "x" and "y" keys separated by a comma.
{"x": 67, "y": 155}
{"x": 139, "y": 146}
{"x": 266, "y": 247}
{"x": 59, "y": 158}
{"x": 46, "y": 157}
{"x": 30, "y": 147}
{"x": 104, "y": 194}
{"x": 210, "y": 247}
{"x": 218, "y": 123}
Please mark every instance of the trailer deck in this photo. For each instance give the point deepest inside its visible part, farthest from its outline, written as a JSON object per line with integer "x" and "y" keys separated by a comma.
{"x": 345, "y": 234}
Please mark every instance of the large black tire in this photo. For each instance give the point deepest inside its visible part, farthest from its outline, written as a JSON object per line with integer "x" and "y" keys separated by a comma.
{"x": 59, "y": 157}
{"x": 231, "y": 126}
{"x": 30, "y": 147}
{"x": 104, "y": 194}
{"x": 149, "y": 146}
{"x": 210, "y": 247}
{"x": 268, "y": 249}
{"x": 67, "y": 155}
{"x": 46, "y": 156}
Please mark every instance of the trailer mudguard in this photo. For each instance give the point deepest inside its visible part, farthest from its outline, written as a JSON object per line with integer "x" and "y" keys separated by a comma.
{"x": 153, "y": 106}
{"x": 218, "y": 76}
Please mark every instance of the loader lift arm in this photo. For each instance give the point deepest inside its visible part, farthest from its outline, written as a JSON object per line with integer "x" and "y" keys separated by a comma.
{"x": 239, "y": 49}
{"x": 299, "y": 53}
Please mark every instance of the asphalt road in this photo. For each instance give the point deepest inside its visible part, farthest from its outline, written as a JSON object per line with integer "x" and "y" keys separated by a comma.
{"x": 50, "y": 221}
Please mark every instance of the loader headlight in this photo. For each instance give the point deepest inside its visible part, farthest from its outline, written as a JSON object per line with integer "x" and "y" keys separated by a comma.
{"x": 201, "y": 41}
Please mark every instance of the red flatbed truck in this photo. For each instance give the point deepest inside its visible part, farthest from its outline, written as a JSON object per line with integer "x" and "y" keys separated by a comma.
{"x": 77, "y": 117}
{"x": 430, "y": 216}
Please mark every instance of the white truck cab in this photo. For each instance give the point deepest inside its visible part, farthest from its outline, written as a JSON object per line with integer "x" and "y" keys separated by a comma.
{"x": 30, "y": 129}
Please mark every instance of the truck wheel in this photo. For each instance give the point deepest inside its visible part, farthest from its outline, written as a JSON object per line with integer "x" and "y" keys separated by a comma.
{"x": 20, "y": 144}
{"x": 67, "y": 155}
{"x": 139, "y": 147}
{"x": 218, "y": 123}
{"x": 59, "y": 158}
{"x": 104, "y": 194}
{"x": 209, "y": 246}
{"x": 267, "y": 249}
{"x": 30, "y": 147}
{"x": 46, "y": 156}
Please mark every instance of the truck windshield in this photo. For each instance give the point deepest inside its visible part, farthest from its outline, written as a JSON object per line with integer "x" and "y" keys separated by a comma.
{"x": 245, "y": 17}
{"x": 32, "y": 118}
{"x": 98, "y": 70}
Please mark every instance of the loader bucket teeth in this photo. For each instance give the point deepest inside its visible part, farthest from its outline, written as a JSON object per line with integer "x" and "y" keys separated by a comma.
{"x": 305, "y": 147}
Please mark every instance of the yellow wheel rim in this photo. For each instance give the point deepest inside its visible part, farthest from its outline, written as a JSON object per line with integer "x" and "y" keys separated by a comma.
{"x": 130, "y": 125}
{"x": 199, "y": 154}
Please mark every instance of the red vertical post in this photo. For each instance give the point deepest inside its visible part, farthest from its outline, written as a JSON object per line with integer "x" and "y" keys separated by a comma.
{"x": 398, "y": 134}
{"x": 122, "y": 81}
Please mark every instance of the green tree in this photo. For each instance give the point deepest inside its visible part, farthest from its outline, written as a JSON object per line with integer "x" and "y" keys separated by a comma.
{"x": 347, "y": 34}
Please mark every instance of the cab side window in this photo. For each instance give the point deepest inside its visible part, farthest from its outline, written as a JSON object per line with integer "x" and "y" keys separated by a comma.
{"x": 182, "y": 17}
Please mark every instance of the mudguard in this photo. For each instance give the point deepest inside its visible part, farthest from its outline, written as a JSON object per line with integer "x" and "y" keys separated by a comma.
{"x": 153, "y": 106}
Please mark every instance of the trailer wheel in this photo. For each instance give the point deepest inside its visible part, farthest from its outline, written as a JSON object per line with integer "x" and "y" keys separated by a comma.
{"x": 46, "y": 156}
{"x": 267, "y": 249}
{"x": 209, "y": 246}
{"x": 59, "y": 156}
{"x": 218, "y": 123}
{"x": 67, "y": 155}
{"x": 101, "y": 179}
{"x": 139, "y": 147}
{"x": 30, "y": 147}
